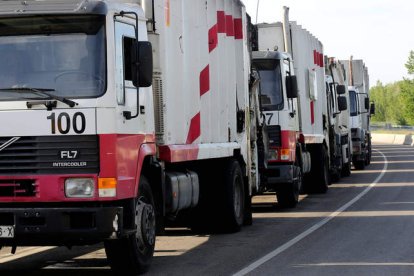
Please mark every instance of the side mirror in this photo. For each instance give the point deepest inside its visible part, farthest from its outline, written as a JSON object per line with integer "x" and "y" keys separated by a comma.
{"x": 340, "y": 89}
{"x": 142, "y": 66}
{"x": 366, "y": 103}
{"x": 291, "y": 87}
{"x": 342, "y": 104}
{"x": 372, "y": 109}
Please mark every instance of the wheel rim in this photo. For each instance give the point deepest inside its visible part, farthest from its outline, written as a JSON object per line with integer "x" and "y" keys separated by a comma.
{"x": 237, "y": 197}
{"x": 145, "y": 221}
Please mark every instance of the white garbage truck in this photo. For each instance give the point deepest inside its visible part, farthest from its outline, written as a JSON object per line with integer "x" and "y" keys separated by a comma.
{"x": 117, "y": 115}
{"x": 361, "y": 110}
{"x": 294, "y": 143}
{"x": 339, "y": 118}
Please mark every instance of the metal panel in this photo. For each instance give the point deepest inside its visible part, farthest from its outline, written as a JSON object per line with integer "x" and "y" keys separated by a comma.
{"x": 202, "y": 67}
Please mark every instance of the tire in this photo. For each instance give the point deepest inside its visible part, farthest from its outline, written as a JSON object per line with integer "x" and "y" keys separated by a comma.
{"x": 346, "y": 170}
{"x": 336, "y": 175}
{"x": 368, "y": 158}
{"x": 233, "y": 206}
{"x": 359, "y": 164}
{"x": 288, "y": 195}
{"x": 369, "y": 152}
{"x": 248, "y": 214}
{"x": 133, "y": 255}
{"x": 318, "y": 180}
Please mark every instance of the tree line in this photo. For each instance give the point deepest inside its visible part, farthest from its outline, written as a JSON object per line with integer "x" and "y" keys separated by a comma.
{"x": 394, "y": 102}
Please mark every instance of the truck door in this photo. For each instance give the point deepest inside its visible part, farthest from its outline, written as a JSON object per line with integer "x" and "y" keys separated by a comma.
{"x": 291, "y": 104}
{"x": 126, "y": 92}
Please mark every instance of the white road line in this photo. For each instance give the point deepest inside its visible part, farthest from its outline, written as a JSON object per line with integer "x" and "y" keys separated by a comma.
{"x": 300, "y": 237}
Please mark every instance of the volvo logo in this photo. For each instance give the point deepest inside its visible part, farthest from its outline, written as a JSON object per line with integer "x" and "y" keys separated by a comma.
{"x": 8, "y": 143}
{"x": 68, "y": 154}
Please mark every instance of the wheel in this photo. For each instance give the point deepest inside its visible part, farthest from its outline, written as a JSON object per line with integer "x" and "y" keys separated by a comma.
{"x": 233, "y": 206}
{"x": 318, "y": 180}
{"x": 359, "y": 164}
{"x": 346, "y": 170}
{"x": 248, "y": 214}
{"x": 368, "y": 157}
{"x": 369, "y": 152}
{"x": 288, "y": 195}
{"x": 337, "y": 173}
{"x": 132, "y": 255}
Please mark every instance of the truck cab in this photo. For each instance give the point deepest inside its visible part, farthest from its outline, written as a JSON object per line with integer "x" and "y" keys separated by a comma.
{"x": 109, "y": 127}
{"x": 339, "y": 119}
{"x": 280, "y": 157}
{"x": 360, "y": 133}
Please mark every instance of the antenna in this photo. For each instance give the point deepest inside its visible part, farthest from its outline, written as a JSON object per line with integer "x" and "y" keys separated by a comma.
{"x": 257, "y": 11}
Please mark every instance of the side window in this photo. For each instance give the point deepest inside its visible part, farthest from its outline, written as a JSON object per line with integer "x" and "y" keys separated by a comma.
{"x": 128, "y": 43}
{"x": 124, "y": 38}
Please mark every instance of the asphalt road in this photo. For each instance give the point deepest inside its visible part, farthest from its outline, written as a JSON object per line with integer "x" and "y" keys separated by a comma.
{"x": 363, "y": 226}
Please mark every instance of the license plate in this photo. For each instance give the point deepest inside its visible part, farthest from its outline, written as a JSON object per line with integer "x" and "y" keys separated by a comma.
{"x": 6, "y": 232}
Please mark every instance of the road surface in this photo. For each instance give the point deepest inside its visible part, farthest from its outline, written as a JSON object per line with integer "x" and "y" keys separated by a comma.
{"x": 364, "y": 225}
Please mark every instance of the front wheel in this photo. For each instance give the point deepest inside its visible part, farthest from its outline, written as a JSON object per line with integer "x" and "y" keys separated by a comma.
{"x": 132, "y": 255}
{"x": 288, "y": 195}
{"x": 346, "y": 169}
{"x": 359, "y": 164}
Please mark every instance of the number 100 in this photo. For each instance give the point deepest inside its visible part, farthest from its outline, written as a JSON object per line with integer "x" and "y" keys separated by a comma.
{"x": 63, "y": 122}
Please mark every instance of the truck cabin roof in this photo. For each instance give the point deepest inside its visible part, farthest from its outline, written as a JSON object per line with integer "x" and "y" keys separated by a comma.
{"x": 31, "y": 7}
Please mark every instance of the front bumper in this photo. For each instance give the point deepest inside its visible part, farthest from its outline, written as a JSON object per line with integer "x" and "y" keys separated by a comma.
{"x": 61, "y": 226}
{"x": 277, "y": 175}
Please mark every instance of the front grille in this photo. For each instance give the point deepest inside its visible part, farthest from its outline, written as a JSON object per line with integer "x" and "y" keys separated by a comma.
{"x": 49, "y": 155}
{"x": 273, "y": 133}
{"x": 18, "y": 188}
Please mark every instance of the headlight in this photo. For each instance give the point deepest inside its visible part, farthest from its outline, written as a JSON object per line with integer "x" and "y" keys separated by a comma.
{"x": 79, "y": 187}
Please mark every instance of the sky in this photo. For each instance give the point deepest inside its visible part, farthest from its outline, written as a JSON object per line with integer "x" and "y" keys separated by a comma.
{"x": 381, "y": 32}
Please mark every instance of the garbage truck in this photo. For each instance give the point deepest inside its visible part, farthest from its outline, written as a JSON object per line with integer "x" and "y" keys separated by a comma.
{"x": 118, "y": 115}
{"x": 293, "y": 138}
{"x": 361, "y": 110}
{"x": 339, "y": 118}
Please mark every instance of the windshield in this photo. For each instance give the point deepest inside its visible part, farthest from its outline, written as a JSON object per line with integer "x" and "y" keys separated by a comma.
{"x": 353, "y": 98}
{"x": 271, "y": 97}
{"x": 63, "y": 53}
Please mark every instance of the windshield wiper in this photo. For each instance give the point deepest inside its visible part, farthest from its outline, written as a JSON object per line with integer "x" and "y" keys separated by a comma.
{"x": 41, "y": 91}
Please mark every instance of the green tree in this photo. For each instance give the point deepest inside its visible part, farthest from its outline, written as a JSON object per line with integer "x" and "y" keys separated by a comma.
{"x": 389, "y": 103}
{"x": 410, "y": 63}
{"x": 407, "y": 92}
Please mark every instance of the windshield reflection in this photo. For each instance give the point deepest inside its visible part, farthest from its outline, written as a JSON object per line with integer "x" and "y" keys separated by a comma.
{"x": 68, "y": 57}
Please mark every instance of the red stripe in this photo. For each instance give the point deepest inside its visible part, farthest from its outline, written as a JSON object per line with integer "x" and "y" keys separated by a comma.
{"x": 212, "y": 38}
{"x": 229, "y": 25}
{"x": 205, "y": 80}
{"x": 315, "y": 57}
{"x": 221, "y": 22}
{"x": 238, "y": 28}
{"x": 312, "y": 110}
{"x": 178, "y": 153}
{"x": 195, "y": 130}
